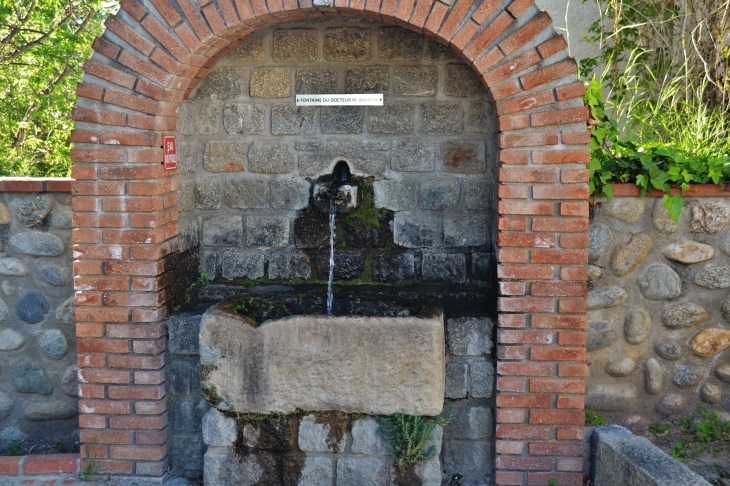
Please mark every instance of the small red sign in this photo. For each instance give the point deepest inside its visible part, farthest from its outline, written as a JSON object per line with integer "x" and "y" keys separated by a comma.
{"x": 169, "y": 149}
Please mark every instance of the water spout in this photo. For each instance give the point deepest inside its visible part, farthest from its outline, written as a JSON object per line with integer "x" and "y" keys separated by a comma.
{"x": 333, "y": 211}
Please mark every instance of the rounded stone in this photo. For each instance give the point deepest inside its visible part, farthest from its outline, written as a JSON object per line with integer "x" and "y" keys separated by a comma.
{"x": 36, "y": 243}
{"x": 51, "y": 410}
{"x": 710, "y": 216}
{"x": 32, "y": 307}
{"x": 62, "y": 220}
{"x": 53, "y": 344}
{"x": 611, "y": 397}
{"x": 626, "y": 209}
{"x": 669, "y": 350}
{"x": 637, "y": 326}
{"x": 689, "y": 252}
{"x": 659, "y": 282}
{"x": 12, "y": 267}
{"x": 30, "y": 377}
{"x": 599, "y": 238}
{"x": 671, "y": 404}
{"x": 621, "y": 367}
{"x": 4, "y": 311}
{"x": 70, "y": 381}
{"x": 683, "y": 315}
{"x": 51, "y": 275}
{"x": 600, "y": 335}
{"x": 6, "y": 405}
{"x": 687, "y": 376}
{"x": 594, "y": 273}
{"x": 723, "y": 372}
{"x": 6, "y": 217}
{"x": 725, "y": 243}
{"x": 713, "y": 277}
{"x": 627, "y": 257}
{"x": 710, "y": 342}
{"x": 710, "y": 393}
{"x": 606, "y": 297}
{"x": 66, "y": 312}
{"x": 10, "y": 340}
{"x": 32, "y": 212}
{"x": 663, "y": 223}
{"x": 653, "y": 376}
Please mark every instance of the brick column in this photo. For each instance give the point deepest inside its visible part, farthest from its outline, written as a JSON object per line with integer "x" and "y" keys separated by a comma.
{"x": 153, "y": 54}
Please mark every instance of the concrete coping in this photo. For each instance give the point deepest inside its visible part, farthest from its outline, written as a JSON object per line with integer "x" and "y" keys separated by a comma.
{"x": 620, "y": 457}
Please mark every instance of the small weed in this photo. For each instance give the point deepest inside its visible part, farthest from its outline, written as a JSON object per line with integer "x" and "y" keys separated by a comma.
{"x": 408, "y": 437}
{"x": 679, "y": 450}
{"x": 686, "y": 422}
{"x": 91, "y": 464}
{"x": 593, "y": 420}
{"x": 13, "y": 449}
{"x": 61, "y": 446}
{"x": 659, "y": 428}
{"x": 552, "y": 482}
{"x": 712, "y": 427}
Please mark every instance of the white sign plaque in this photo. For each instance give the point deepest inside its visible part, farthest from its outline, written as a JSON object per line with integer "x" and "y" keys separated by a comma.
{"x": 340, "y": 100}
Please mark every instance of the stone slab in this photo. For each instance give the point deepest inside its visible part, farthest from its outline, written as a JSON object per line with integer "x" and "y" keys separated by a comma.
{"x": 356, "y": 364}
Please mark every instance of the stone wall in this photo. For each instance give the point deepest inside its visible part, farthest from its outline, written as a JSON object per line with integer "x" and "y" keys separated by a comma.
{"x": 248, "y": 157}
{"x": 658, "y": 316}
{"x": 38, "y": 383}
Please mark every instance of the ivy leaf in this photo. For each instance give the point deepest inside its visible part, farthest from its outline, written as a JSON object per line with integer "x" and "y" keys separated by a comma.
{"x": 608, "y": 191}
{"x": 674, "y": 205}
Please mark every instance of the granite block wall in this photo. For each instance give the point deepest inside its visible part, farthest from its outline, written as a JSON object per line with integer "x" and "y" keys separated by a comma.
{"x": 38, "y": 382}
{"x": 249, "y": 156}
{"x": 658, "y": 308}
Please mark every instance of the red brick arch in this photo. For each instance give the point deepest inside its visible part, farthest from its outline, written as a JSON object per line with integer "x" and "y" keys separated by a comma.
{"x": 156, "y": 51}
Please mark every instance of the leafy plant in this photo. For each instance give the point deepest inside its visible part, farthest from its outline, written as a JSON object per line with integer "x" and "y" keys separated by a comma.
{"x": 593, "y": 420}
{"x": 13, "y": 449}
{"x": 686, "y": 422}
{"x": 408, "y": 437}
{"x": 712, "y": 427}
{"x": 91, "y": 463}
{"x": 679, "y": 450}
{"x": 659, "y": 428}
{"x": 552, "y": 482}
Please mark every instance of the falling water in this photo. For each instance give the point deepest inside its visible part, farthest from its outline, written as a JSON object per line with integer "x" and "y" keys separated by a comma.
{"x": 333, "y": 211}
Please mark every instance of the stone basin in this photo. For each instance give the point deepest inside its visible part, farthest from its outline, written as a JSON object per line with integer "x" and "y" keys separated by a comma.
{"x": 352, "y": 363}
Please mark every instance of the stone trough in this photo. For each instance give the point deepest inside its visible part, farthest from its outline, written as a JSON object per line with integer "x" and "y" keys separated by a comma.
{"x": 352, "y": 363}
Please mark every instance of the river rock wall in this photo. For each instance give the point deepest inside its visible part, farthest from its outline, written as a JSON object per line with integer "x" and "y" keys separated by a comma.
{"x": 658, "y": 308}
{"x": 38, "y": 382}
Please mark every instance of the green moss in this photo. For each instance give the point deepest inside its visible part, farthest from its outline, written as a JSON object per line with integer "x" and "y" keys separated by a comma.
{"x": 365, "y": 215}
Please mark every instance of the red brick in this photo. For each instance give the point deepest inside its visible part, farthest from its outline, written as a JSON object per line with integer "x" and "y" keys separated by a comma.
{"x": 420, "y": 13}
{"x": 134, "y": 8}
{"x": 511, "y": 416}
{"x": 559, "y": 289}
{"x": 509, "y": 384}
{"x": 554, "y": 45}
{"x": 514, "y": 122}
{"x": 168, "y": 12}
{"x": 83, "y": 283}
{"x": 551, "y": 73}
{"x": 579, "y": 137}
{"x": 540, "y": 479}
{"x": 509, "y": 446}
{"x": 137, "y": 392}
{"x": 512, "y": 288}
{"x": 102, "y": 346}
{"x": 151, "y": 437}
{"x": 524, "y": 401}
{"x": 519, "y": 207}
{"x": 88, "y": 188}
{"x": 560, "y": 192}
{"x": 485, "y": 11}
{"x": 149, "y": 377}
{"x": 92, "y": 92}
{"x": 526, "y": 240}
{"x": 514, "y": 140}
{"x": 10, "y": 466}
{"x": 129, "y": 34}
{"x": 138, "y": 422}
{"x": 99, "y": 220}
{"x": 51, "y": 464}
{"x": 526, "y": 272}
{"x": 137, "y": 362}
{"x": 512, "y": 224}
{"x": 99, "y": 116}
{"x": 569, "y": 464}
{"x": 525, "y": 369}
{"x": 98, "y": 155}
{"x": 523, "y": 432}
{"x": 105, "y": 407}
{"x": 84, "y": 173}
{"x": 91, "y": 391}
{"x": 569, "y": 433}
{"x": 574, "y": 209}
{"x": 565, "y": 257}
{"x": 488, "y": 35}
{"x": 525, "y": 33}
{"x": 110, "y": 74}
{"x": 513, "y": 192}
{"x": 577, "y": 306}
{"x": 148, "y": 347}
{"x": 511, "y": 67}
{"x": 556, "y": 417}
{"x": 518, "y": 7}
{"x": 509, "y": 478}
{"x": 573, "y": 273}
{"x": 575, "y": 241}
{"x": 526, "y": 102}
{"x": 563, "y": 225}
{"x": 556, "y": 385}
{"x": 87, "y": 314}
{"x": 103, "y": 376}
{"x": 512, "y": 353}
{"x": 574, "y": 176}
{"x": 112, "y": 467}
{"x": 435, "y": 18}
{"x": 89, "y": 330}
{"x": 133, "y": 268}
{"x": 523, "y": 463}
{"x": 541, "y": 353}
{"x": 135, "y": 331}
{"x": 150, "y": 408}
{"x": 514, "y": 157}
{"x": 576, "y": 402}
{"x": 455, "y": 19}
{"x": 570, "y": 91}
{"x": 561, "y": 156}
{"x": 572, "y": 370}
{"x": 465, "y": 35}
{"x": 559, "y": 117}
{"x": 524, "y": 337}
{"x": 541, "y": 176}
{"x": 105, "y": 48}
{"x": 572, "y": 338}
{"x": 556, "y": 449}
{"x": 137, "y": 453}
{"x": 91, "y": 360}
{"x": 486, "y": 61}
{"x": 512, "y": 320}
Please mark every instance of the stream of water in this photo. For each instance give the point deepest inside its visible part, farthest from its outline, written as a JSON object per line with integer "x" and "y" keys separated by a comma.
{"x": 333, "y": 211}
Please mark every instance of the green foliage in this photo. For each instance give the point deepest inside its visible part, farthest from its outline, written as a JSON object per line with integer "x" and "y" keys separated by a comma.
{"x": 712, "y": 427}
{"x": 659, "y": 428}
{"x": 686, "y": 422}
{"x": 408, "y": 437}
{"x": 13, "y": 449}
{"x": 593, "y": 420}
{"x": 91, "y": 464}
{"x": 552, "y": 482}
{"x": 61, "y": 446}
{"x": 43, "y": 44}
{"x": 365, "y": 214}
